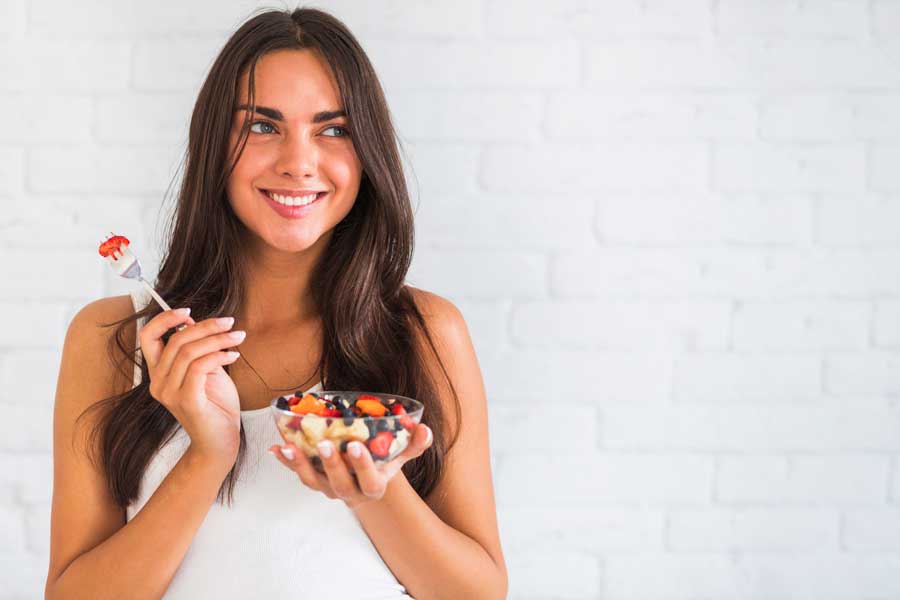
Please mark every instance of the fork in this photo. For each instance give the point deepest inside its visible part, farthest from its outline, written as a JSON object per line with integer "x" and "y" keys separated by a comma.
{"x": 124, "y": 262}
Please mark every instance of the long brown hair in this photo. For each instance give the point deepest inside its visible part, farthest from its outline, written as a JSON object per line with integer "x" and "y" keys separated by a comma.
{"x": 372, "y": 330}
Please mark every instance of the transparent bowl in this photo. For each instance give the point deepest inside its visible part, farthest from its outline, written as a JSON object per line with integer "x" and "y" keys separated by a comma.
{"x": 385, "y": 436}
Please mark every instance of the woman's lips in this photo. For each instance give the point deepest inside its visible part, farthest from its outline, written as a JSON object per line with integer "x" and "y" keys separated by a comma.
{"x": 292, "y": 212}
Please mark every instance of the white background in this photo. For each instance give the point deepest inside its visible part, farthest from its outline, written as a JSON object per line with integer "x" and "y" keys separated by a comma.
{"x": 673, "y": 228}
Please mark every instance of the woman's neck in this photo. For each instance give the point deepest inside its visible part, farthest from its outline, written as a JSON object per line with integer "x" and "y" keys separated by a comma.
{"x": 278, "y": 294}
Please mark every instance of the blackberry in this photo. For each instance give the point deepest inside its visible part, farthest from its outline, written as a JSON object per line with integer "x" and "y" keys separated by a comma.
{"x": 282, "y": 403}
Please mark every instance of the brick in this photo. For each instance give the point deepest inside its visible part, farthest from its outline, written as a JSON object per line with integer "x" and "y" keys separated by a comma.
{"x": 31, "y": 325}
{"x": 633, "y": 325}
{"x": 144, "y": 117}
{"x": 489, "y": 65}
{"x": 883, "y": 173}
{"x": 830, "y": 116}
{"x": 44, "y": 118}
{"x": 748, "y": 273}
{"x": 825, "y": 576}
{"x": 858, "y": 220}
{"x": 784, "y": 168}
{"x": 69, "y": 269}
{"x": 460, "y": 116}
{"x": 12, "y": 18}
{"x": 801, "y": 479}
{"x": 581, "y": 529}
{"x": 752, "y": 529}
{"x": 28, "y": 426}
{"x": 12, "y": 180}
{"x": 625, "y": 166}
{"x": 717, "y": 377}
{"x": 670, "y": 577}
{"x": 863, "y": 373}
{"x": 694, "y": 219}
{"x": 107, "y": 169}
{"x": 432, "y": 169}
{"x": 37, "y": 529}
{"x": 820, "y": 18}
{"x": 476, "y": 274}
{"x": 886, "y": 328}
{"x": 512, "y": 221}
{"x": 521, "y": 375}
{"x": 528, "y": 575}
{"x": 12, "y": 524}
{"x": 570, "y": 18}
{"x": 389, "y": 19}
{"x": 741, "y": 62}
{"x": 63, "y": 65}
{"x": 852, "y": 427}
{"x": 801, "y": 325}
{"x": 31, "y": 475}
{"x": 650, "y": 116}
{"x": 29, "y": 376}
{"x": 486, "y": 322}
{"x": 871, "y": 529}
{"x": 179, "y": 65}
{"x": 527, "y": 427}
{"x": 127, "y": 18}
{"x": 533, "y": 479}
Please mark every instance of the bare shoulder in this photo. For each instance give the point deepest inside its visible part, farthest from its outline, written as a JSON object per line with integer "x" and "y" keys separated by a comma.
{"x": 88, "y": 338}
{"x": 443, "y": 319}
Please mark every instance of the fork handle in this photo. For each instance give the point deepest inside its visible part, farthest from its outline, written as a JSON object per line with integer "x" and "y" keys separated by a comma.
{"x": 159, "y": 299}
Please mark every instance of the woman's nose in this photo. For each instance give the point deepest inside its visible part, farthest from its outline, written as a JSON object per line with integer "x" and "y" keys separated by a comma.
{"x": 298, "y": 156}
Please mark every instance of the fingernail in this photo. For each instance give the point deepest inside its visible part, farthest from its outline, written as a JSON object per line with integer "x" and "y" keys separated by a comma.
{"x": 428, "y": 439}
{"x": 232, "y": 355}
{"x": 237, "y": 335}
{"x": 225, "y": 321}
{"x": 355, "y": 449}
{"x": 182, "y": 311}
{"x": 324, "y": 448}
{"x": 287, "y": 453}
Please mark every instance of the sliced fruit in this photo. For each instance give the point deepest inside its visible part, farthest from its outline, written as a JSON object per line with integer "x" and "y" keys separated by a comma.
{"x": 380, "y": 445}
{"x": 372, "y": 407}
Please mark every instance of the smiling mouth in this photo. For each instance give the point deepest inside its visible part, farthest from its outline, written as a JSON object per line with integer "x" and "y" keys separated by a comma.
{"x": 293, "y": 201}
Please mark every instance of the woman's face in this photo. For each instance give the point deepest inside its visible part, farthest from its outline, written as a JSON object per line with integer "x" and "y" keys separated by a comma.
{"x": 298, "y": 145}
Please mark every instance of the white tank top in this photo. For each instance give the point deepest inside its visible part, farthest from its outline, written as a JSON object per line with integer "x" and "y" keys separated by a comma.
{"x": 279, "y": 539}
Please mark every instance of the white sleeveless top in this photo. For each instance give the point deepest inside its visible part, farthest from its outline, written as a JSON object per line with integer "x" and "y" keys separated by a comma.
{"x": 279, "y": 539}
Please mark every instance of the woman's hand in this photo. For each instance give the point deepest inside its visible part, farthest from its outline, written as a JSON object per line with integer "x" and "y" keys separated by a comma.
{"x": 186, "y": 376}
{"x": 370, "y": 479}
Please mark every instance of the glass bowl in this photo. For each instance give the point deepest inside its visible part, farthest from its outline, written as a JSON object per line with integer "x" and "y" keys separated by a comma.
{"x": 383, "y": 422}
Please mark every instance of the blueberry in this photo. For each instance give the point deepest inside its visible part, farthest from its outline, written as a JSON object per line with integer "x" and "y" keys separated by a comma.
{"x": 370, "y": 423}
{"x": 397, "y": 425}
{"x": 344, "y": 445}
{"x": 282, "y": 403}
{"x": 383, "y": 425}
{"x": 348, "y": 421}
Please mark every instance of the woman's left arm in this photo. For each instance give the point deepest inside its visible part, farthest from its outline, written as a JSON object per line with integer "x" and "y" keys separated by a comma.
{"x": 448, "y": 545}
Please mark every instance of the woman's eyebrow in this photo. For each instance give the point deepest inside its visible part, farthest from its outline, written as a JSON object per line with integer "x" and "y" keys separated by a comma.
{"x": 275, "y": 114}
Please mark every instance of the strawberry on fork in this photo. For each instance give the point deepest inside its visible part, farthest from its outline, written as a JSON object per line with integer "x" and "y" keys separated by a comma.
{"x": 117, "y": 252}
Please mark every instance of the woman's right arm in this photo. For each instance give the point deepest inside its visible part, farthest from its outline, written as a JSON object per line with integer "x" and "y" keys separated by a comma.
{"x": 94, "y": 553}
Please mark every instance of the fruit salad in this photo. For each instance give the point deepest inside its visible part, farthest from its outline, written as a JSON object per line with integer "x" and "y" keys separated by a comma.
{"x": 383, "y": 422}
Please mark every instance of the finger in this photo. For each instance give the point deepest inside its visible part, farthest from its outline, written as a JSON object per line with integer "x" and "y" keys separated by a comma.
{"x": 195, "y": 377}
{"x": 192, "y": 351}
{"x": 338, "y": 474}
{"x": 203, "y": 329}
{"x": 370, "y": 480}
{"x": 150, "y": 334}
{"x": 296, "y": 461}
{"x": 420, "y": 440}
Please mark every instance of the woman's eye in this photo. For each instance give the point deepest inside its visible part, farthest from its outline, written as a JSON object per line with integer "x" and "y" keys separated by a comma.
{"x": 265, "y": 123}
{"x": 343, "y": 130}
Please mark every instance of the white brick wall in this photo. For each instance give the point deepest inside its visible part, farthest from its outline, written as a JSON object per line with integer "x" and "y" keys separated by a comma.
{"x": 677, "y": 218}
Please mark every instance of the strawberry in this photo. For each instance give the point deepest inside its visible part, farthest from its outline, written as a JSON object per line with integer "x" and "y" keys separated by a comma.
{"x": 380, "y": 445}
{"x": 294, "y": 423}
{"x": 331, "y": 412}
{"x": 293, "y": 400}
{"x": 112, "y": 245}
{"x": 397, "y": 409}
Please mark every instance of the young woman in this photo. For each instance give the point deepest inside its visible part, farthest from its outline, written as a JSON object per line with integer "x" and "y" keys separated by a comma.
{"x": 291, "y": 240}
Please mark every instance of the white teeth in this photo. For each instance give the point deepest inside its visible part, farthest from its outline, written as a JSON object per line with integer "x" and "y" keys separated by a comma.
{"x": 292, "y": 200}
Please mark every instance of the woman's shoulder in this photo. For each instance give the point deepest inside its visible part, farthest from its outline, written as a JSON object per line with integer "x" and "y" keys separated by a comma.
{"x": 442, "y": 317}
{"x": 89, "y": 335}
